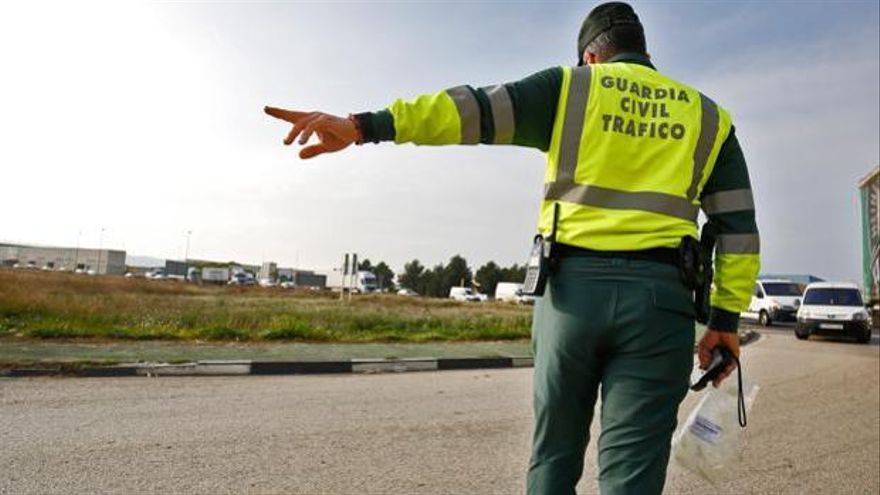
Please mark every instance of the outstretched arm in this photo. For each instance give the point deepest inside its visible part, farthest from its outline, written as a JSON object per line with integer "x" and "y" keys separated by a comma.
{"x": 519, "y": 113}
{"x": 334, "y": 133}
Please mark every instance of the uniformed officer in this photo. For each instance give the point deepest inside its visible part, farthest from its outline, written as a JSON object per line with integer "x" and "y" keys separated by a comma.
{"x": 632, "y": 156}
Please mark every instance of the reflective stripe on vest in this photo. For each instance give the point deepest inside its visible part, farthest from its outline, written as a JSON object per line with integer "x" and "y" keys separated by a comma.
{"x": 468, "y": 113}
{"x": 564, "y": 188}
{"x": 738, "y": 244}
{"x": 502, "y": 113}
{"x": 728, "y": 201}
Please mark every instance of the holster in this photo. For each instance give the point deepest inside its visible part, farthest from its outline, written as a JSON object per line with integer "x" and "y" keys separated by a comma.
{"x": 696, "y": 268}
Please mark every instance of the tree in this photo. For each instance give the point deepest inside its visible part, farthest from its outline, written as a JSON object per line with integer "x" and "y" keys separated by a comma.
{"x": 384, "y": 275}
{"x": 413, "y": 276}
{"x": 488, "y": 276}
{"x": 514, "y": 273}
{"x": 432, "y": 282}
{"x": 365, "y": 265}
{"x": 455, "y": 274}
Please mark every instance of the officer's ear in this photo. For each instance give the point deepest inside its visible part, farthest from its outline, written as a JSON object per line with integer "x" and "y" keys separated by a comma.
{"x": 591, "y": 58}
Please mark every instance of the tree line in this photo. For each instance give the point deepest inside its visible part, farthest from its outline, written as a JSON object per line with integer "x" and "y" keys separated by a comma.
{"x": 436, "y": 281}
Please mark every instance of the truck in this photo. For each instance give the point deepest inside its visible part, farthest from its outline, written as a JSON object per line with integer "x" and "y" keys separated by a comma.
{"x": 362, "y": 281}
{"x": 215, "y": 275}
{"x": 869, "y": 194}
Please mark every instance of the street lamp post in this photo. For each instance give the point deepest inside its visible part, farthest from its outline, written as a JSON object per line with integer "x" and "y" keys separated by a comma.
{"x": 100, "y": 247}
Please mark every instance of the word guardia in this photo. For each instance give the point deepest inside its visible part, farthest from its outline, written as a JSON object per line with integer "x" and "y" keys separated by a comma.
{"x": 637, "y": 104}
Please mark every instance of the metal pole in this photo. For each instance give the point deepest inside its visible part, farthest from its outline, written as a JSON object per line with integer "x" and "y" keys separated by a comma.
{"x": 354, "y": 274}
{"x": 76, "y": 253}
{"x": 100, "y": 247}
{"x": 186, "y": 256}
{"x": 344, "y": 273}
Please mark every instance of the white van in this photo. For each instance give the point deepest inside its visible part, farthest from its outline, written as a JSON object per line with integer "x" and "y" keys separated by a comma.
{"x": 462, "y": 294}
{"x": 833, "y": 309}
{"x": 508, "y": 291}
{"x": 774, "y": 300}
{"x": 512, "y": 292}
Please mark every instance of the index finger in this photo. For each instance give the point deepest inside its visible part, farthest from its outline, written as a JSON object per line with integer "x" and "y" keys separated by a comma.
{"x": 288, "y": 115}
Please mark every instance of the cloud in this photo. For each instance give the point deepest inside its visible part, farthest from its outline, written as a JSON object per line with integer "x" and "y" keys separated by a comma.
{"x": 808, "y": 123}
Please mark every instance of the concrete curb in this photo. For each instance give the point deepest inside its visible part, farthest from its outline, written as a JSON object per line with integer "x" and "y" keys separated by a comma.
{"x": 248, "y": 367}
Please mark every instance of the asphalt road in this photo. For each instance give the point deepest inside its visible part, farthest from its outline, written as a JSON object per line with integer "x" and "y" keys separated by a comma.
{"x": 815, "y": 428}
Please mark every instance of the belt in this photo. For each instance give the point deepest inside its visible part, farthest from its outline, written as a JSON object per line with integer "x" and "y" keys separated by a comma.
{"x": 669, "y": 256}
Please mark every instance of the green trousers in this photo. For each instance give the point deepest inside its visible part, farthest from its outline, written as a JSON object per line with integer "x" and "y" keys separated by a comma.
{"x": 625, "y": 328}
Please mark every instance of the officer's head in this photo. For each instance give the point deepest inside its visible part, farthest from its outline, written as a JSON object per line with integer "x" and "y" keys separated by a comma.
{"x": 610, "y": 29}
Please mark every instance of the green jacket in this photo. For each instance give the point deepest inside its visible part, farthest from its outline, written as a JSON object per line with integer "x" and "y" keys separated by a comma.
{"x": 532, "y": 107}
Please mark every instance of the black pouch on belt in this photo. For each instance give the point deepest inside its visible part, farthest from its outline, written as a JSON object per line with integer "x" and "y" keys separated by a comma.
{"x": 538, "y": 266}
{"x": 695, "y": 265}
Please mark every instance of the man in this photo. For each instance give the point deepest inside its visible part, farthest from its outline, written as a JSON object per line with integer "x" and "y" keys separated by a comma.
{"x": 632, "y": 155}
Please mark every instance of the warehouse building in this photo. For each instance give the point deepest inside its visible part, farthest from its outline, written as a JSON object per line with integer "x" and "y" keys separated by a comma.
{"x": 302, "y": 278}
{"x": 102, "y": 261}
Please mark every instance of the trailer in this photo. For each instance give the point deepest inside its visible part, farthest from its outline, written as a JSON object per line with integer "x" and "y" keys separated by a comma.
{"x": 869, "y": 193}
{"x": 362, "y": 281}
{"x": 215, "y": 275}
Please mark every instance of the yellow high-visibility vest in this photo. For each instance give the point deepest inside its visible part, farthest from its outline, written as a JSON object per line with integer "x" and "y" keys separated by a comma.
{"x": 630, "y": 152}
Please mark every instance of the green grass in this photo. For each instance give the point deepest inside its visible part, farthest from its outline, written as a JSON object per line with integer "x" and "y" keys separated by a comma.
{"x": 38, "y": 305}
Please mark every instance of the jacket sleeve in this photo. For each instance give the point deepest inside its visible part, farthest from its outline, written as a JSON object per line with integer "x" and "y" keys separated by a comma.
{"x": 727, "y": 201}
{"x": 519, "y": 113}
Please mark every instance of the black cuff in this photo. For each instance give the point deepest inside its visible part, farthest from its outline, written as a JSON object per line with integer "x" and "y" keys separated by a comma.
{"x": 376, "y": 126}
{"x": 723, "y": 321}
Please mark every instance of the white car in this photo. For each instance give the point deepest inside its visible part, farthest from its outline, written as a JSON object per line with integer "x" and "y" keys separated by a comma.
{"x": 242, "y": 278}
{"x": 268, "y": 282}
{"x": 833, "y": 309}
{"x": 463, "y": 294}
{"x": 406, "y": 292}
{"x": 774, "y": 300}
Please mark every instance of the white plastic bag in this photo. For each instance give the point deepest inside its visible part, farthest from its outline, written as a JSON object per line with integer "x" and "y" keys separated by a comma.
{"x": 708, "y": 443}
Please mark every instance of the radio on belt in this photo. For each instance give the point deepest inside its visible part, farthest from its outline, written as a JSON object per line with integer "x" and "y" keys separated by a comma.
{"x": 538, "y": 266}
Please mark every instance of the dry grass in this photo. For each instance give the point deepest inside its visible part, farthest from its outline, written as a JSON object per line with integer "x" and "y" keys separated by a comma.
{"x": 62, "y": 305}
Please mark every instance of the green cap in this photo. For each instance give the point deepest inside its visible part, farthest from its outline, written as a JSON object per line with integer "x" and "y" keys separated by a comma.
{"x": 601, "y": 19}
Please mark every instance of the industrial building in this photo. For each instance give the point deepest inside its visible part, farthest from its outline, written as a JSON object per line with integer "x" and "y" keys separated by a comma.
{"x": 302, "y": 278}
{"x": 101, "y": 261}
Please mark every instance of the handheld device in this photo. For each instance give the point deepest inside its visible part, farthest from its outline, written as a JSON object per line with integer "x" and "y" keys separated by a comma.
{"x": 721, "y": 359}
{"x": 537, "y": 267}
{"x": 536, "y": 271}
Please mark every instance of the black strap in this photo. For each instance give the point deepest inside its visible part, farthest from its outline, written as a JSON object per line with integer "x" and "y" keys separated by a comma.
{"x": 741, "y": 400}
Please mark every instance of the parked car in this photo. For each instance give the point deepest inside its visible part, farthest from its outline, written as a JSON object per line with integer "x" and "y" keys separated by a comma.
{"x": 268, "y": 282}
{"x": 406, "y": 292}
{"x": 833, "y": 309}
{"x": 463, "y": 294}
{"x": 288, "y": 284}
{"x": 242, "y": 278}
{"x": 774, "y": 300}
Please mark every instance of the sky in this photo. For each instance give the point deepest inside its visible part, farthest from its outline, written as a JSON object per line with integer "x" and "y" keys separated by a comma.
{"x": 130, "y": 124}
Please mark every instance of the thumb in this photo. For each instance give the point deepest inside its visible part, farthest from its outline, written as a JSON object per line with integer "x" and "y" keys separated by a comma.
{"x": 312, "y": 151}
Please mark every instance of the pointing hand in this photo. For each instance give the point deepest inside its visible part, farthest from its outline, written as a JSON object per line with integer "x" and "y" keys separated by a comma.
{"x": 334, "y": 133}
